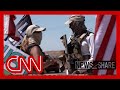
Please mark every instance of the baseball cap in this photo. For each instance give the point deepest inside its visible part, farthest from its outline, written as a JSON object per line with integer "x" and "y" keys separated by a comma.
{"x": 34, "y": 28}
{"x": 75, "y": 18}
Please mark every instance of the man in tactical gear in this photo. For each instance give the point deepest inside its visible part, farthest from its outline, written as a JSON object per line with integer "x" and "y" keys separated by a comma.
{"x": 80, "y": 46}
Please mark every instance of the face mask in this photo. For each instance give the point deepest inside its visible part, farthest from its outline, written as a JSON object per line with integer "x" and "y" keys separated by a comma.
{"x": 35, "y": 38}
{"x": 78, "y": 27}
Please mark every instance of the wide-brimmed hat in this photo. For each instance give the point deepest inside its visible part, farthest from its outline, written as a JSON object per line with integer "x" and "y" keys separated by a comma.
{"x": 75, "y": 18}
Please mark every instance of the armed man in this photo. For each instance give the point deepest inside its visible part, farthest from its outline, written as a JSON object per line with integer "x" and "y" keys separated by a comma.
{"x": 80, "y": 45}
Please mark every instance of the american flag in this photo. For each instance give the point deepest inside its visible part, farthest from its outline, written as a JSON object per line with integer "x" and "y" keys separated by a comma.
{"x": 105, "y": 42}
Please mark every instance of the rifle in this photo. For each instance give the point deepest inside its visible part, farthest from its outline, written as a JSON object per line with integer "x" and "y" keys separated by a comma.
{"x": 67, "y": 55}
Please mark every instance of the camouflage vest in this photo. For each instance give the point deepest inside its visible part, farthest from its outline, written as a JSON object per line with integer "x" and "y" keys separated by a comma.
{"x": 75, "y": 47}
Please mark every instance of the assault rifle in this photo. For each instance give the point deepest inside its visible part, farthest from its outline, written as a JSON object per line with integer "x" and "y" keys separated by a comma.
{"x": 67, "y": 55}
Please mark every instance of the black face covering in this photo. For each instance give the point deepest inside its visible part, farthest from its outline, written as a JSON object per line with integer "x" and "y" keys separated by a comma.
{"x": 78, "y": 27}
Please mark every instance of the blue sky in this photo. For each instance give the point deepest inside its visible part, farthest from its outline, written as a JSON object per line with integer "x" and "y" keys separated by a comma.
{"x": 55, "y": 28}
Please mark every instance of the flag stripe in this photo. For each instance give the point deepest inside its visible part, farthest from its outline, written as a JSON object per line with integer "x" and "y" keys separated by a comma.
{"x": 11, "y": 26}
{"x": 114, "y": 72}
{"x": 108, "y": 72}
{"x": 106, "y": 39}
{"x": 109, "y": 50}
{"x": 13, "y": 33}
{"x": 98, "y": 22}
{"x": 112, "y": 42}
{"x": 111, "y": 72}
{"x": 6, "y": 24}
{"x": 100, "y": 33}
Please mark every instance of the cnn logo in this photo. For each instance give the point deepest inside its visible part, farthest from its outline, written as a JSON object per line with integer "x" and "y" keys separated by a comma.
{"x": 22, "y": 63}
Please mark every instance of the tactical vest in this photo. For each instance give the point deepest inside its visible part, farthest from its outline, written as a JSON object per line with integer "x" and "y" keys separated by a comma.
{"x": 74, "y": 47}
